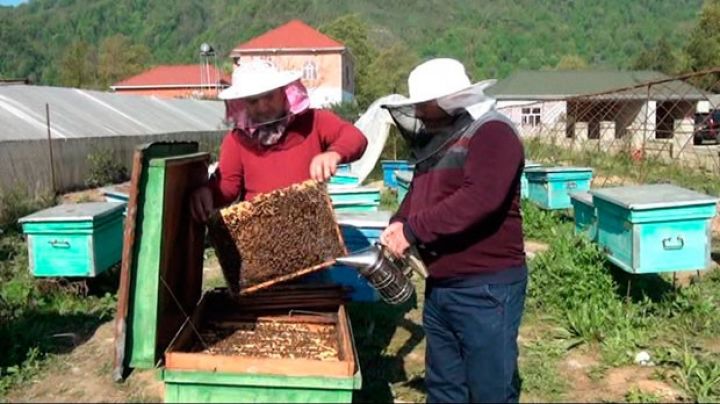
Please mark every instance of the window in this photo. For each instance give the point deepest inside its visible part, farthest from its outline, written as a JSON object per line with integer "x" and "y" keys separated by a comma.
{"x": 531, "y": 117}
{"x": 309, "y": 71}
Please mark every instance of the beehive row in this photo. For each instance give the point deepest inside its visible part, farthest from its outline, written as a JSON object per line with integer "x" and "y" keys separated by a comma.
{"x": 276, "y": 234}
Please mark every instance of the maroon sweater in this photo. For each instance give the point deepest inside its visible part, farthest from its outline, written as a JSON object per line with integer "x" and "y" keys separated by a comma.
{"x": 464, "y": 209}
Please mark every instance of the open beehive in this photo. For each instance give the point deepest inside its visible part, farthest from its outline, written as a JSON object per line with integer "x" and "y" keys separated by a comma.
{"x": 268, "y": 333}
{"x": 276, "y": 236}
{"x": 211, "y": 348}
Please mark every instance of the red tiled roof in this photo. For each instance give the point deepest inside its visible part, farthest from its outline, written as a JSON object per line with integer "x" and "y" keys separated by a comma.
{"x": 293, "y": 35}
{"x": 173, "y": 75}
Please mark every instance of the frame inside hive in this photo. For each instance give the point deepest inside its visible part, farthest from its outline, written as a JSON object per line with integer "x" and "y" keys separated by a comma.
{"x": 228, "y": 336}
{"x": 277, "y": 236}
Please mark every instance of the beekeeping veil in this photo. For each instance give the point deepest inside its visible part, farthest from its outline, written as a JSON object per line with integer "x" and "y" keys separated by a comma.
{"x": 255, "y": 78}
{"x": 445, "y": 81}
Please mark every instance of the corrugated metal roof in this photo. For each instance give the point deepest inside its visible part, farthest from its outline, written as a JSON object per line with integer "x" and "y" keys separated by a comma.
{"x": 547, "y": 85}
{"x": 78, "y": 113}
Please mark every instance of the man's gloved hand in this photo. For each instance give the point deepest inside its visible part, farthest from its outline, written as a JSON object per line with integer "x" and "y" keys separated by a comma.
{"x": 324, "y": 165}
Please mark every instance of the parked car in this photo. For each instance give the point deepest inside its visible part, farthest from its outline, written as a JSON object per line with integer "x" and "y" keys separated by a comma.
{"x": 707, "y": 127}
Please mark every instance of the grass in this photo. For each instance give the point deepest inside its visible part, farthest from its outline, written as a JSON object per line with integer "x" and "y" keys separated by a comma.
{"x": 576, "y": 300}
{"x": 39, "y": 318}
{"x": 580, "y": 291}
{"x": 539, "y": 369}
{"x": 636, "y": 395}
{"x": 388, "y": 200}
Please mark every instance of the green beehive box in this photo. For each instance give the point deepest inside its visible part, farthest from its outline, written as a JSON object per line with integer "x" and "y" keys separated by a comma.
{"x": 74, "y": 240}
{"x": 355, "y": 199}
{"x": 524, "y": 185}
{"x": 584, "y": 214}
{"x": 550, "y": 187}
{"x": 160, "y": 298}
{"x": 655, "y": 228}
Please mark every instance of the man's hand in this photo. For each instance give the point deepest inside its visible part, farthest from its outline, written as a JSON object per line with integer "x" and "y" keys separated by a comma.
{"x": 394, "y": 239}
{"x": 201, "y": 204}
{"x": 324, "y": 165}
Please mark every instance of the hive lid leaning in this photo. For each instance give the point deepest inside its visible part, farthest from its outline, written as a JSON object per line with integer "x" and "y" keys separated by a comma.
{"x": 642, "y": 197}
{"x": 161, "y": 275}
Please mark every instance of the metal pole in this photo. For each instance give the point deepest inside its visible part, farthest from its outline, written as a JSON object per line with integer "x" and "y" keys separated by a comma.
{"x": 52, "y": 159}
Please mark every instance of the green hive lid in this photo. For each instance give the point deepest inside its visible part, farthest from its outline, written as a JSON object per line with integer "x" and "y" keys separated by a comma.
{"x": 584, "y": 196}
{"x": 79, "y": 212}
{"x": 653, "y": 196}
{"x": 161, "y": 276}
{"x": 379, "y": 219}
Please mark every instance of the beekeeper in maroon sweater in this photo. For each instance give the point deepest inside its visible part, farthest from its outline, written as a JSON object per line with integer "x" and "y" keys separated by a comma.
{"x": 277, "y": 139}
{"x": 463, "y": 213}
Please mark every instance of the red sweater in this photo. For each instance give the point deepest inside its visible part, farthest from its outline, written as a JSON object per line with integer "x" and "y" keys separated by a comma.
{"x": 244, "y": 170}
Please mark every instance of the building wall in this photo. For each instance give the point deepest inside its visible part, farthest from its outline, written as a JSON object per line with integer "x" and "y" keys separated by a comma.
{"x": 552, "y": 114}
{"x": 169, "y": 92}
{"x": 324, "y": 73}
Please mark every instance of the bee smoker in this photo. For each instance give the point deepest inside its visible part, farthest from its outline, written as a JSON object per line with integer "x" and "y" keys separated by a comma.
{"x": 389, "y": 275}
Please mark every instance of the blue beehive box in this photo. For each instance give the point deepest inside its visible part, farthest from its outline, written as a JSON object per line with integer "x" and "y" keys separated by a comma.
{"x": 655, "y": 228}
{"x": 117, "y": 193}
{"x": 523, "y": 179}
{"x": 550, "y": 187}
{"x": 359, "y": 230}
{"x": 346, "y": 180}
{"x": 403, "y": 180}
{"x": 354, "y": 199}
{"x": 74, "y": 240}
{"x": 389, "y": 167}
{"x": 343, "y": 169}
{"x": 584, "y": 214}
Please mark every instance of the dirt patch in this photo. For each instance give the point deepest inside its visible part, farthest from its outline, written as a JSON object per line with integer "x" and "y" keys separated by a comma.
{"x": 84, "y": 375}
{"x": 576, "y": 368}
{"x": 88, "y": 195}
{"x": 611, "y": 385}
{"x": 711, "y": 345}
{"x": 619, "y": 381}
{"x": 532, "y": 248}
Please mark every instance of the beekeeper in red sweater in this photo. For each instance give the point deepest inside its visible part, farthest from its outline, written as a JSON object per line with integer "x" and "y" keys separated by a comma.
{"x": 277, "y": 139}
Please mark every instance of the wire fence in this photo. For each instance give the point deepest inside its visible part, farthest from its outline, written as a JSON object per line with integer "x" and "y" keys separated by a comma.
{"x": 661, "y": 131}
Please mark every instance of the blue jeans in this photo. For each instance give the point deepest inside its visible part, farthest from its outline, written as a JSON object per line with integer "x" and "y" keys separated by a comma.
{"x": 472, "y": 346}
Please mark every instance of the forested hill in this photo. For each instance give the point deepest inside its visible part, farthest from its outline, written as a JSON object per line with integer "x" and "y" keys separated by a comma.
{"x": 491, "y": 37}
